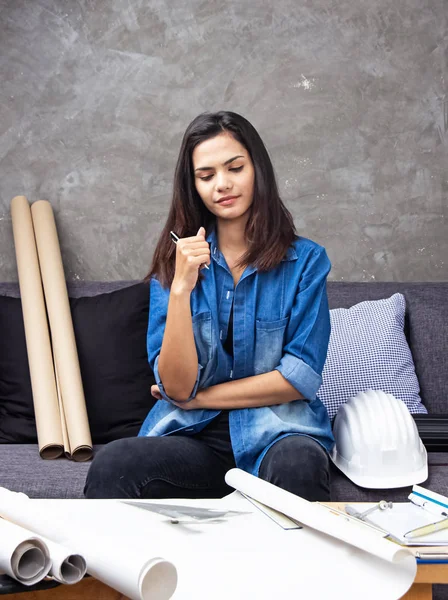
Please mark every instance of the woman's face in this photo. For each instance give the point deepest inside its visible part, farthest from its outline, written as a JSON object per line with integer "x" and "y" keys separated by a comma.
{"x": 224, "y": 176}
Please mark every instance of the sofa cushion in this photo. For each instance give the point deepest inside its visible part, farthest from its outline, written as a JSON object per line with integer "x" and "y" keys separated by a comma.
{"x": 22, "y": 470}
{"x": 368, "y": 350}
{"x": 342, "y": 489}
{"x": 426, "y": 327}
{"x": 110, "y": 331}
{"x": 17, "y": 422}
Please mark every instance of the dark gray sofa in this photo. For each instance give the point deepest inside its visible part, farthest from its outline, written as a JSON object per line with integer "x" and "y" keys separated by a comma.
{"x": 21, "y": 468}
{"x": 426, "y": 329}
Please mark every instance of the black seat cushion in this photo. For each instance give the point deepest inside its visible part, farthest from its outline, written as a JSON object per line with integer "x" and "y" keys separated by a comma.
{"x": 110, "y": 331}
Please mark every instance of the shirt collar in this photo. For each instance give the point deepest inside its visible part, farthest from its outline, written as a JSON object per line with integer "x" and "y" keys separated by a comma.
{"x": 291, "y": 254}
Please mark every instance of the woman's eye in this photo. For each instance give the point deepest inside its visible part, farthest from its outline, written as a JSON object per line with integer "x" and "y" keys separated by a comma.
{"x": 235, "y": 169}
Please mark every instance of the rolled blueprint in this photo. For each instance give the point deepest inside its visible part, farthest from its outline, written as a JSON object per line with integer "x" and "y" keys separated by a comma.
{"x": 66, "y": 566}
{"x": 40, "y": 358}
{"x": 62, "y": 334}
{"x": 99, "y": 531}
{"x": 317, "y": 516}
{"x": 22, "y": 556}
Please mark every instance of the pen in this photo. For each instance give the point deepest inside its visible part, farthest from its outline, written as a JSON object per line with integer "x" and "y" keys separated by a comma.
{"x": 429, "y": 505}
{"x": 175, "y": 239}
{"x": 427, "y": 529}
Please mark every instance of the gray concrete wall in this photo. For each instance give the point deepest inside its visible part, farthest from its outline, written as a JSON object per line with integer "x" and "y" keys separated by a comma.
{"x": 350, "y": 97}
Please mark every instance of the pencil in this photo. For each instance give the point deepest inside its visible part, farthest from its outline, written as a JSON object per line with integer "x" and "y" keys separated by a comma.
{"x": 426, "y": 529}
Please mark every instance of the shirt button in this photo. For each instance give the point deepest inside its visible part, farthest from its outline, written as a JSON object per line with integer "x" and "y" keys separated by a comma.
{"x": 220, "y": 334}
{"x": 228, "y": 294}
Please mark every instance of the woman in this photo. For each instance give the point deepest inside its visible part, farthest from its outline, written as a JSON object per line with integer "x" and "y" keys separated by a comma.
{"x": 237, "y": 338}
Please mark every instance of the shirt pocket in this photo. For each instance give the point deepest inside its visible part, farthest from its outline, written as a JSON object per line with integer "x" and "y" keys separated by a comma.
{"x": 269, "y": 342}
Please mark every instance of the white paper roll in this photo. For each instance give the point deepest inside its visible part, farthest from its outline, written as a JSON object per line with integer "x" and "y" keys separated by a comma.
{"x": 316, "y": 516}
{"x": 22, "y": 556}
{"x": 111, "y": 550}
{"x": 66, "y": 566}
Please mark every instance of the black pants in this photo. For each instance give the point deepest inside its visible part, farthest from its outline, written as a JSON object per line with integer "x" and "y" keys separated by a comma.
{"x": 185, "y": 467}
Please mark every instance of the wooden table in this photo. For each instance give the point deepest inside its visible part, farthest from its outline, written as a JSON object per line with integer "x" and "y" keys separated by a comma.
{"x": 90, "y": 588}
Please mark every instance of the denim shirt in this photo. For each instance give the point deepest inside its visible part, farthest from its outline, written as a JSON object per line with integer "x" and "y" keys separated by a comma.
{"x": 281, "y": 322}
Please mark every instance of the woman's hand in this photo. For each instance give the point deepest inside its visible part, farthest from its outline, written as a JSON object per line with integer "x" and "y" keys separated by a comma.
{"x": 191, "y": 253}
{"x": 156, "y": 392}
{"x": 187, "y": 405}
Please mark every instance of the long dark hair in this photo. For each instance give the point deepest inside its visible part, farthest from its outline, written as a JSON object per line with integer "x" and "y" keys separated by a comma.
{"x": 270, "y": 227}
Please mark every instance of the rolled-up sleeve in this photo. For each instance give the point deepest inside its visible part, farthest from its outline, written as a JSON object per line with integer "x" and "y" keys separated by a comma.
{"x": 158, "y": 308}
{"x": 308, "y": 331}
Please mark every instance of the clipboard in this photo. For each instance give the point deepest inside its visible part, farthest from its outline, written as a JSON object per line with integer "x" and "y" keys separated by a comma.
{"x": 425, "y": 507}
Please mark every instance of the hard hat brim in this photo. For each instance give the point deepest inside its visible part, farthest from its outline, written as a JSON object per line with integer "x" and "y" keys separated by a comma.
{"x": 381, "y": 482}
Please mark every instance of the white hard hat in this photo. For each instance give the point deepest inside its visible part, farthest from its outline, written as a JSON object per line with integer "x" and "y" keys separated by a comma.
{"x": 377, "y": 442}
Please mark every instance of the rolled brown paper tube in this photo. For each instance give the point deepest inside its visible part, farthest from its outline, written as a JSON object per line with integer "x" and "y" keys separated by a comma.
{"x": 37, "y": 335}
{"x": 62, "y": 334}
{"x": 67, "y": 451}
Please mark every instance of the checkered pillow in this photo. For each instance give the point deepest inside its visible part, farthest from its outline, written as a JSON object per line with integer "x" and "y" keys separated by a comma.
{"x": 368, "y": 350}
